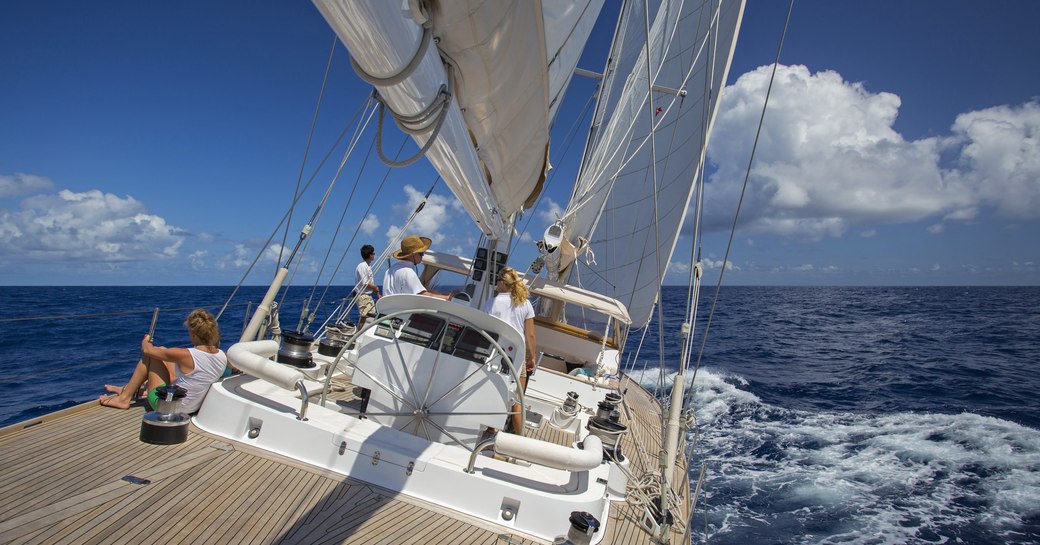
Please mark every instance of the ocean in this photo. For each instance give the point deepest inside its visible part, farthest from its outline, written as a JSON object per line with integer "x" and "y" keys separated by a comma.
{"x": 860, "y": 415}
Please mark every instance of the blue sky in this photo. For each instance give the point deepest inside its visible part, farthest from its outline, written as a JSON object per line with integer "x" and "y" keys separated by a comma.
{"x": 159, "y": 143}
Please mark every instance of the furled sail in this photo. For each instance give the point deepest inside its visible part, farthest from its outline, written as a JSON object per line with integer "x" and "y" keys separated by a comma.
{"x": 622, "y": 180}
{"x": 508, "y": 63}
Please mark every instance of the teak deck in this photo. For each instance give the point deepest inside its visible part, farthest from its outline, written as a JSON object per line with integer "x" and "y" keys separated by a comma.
{"x": 63, "y": 482}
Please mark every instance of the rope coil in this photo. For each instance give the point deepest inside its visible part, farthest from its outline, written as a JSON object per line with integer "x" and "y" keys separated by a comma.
{"x": 406, "y": 70}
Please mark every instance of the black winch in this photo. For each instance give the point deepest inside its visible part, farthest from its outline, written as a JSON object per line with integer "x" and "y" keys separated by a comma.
{"x": 609, "y": 430}
{"x": 296, "y": 350}
{"x": 583, "y": 526}
{"x": 166, "y": 425}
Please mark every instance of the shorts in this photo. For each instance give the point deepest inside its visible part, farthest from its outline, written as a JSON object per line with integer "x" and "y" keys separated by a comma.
{"x": 365, "y": 305}
{"x": 153, "y": 397}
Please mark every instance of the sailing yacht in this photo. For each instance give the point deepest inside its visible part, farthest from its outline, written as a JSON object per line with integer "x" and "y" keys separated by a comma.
{"x": 415, "y": 404}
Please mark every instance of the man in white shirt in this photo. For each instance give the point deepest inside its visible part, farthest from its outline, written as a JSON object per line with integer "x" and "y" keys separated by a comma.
{"x": 402, "y": 277}
{"x": 364, "y": 283}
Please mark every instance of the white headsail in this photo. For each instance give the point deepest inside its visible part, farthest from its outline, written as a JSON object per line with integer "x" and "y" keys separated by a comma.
{"x": 509, "y": 62}
{"x": 613, "y": 202}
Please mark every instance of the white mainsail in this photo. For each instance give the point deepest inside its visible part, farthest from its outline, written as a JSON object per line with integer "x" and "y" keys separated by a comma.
{"x": 509, "y": 62}
{"x": 622, "y": 182}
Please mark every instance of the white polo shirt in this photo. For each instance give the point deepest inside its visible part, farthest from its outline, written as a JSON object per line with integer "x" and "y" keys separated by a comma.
{"x": 402, "y": 278}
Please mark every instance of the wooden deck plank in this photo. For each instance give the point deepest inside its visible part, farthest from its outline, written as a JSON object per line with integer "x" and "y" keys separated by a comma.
{"x": 336, "y": 505}
{"x": 366, "y": 522}
{"x": 221, "y": 507}
{"x": 382, "y": 523}
{"x": 285, "y": 510}
{"x": 58, "y": 532}
{"x": 343, "y": 507}
{"x": 437, "y": 530}
{"x": 251, "y": 475}
{"x": 194, "y": 492}
{"x": 246, "y": 496}
{"x": 148, "y": 511}
{"x": 407, "y": 529}
{"x": 317, "y": 503}
{"x": 305, "y": 511}
{"x": 23, "y": 474}
{"x": 265, "y": 512}
{"x": 74, "y": 504}
{"x": 119, "y": 515}
{"x": 219, "y": 484}
{"x": 248, "y": 512}
{"x": 77, "y": 474}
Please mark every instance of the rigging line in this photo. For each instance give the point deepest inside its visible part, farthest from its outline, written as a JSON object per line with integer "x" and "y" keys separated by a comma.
{"x": 635, "y": 227}
{"x": 693, "y": 293}
{"x": 743, "y": 190}
{"x": 568, "y": 141}
{"x": 339, "y": 226}
{"x": 285, "y": 216}
{"x": 99, "y": 314}
{"x": 335, "y": 233}
{"x": 635, "y": 358}
{"x": 624, "y": 160}
{"x": 385, "y": 255}
{"x": 50, "y": 370}
{"x": 320, "y": 208}
{"x": 699, "y": 175}
{"x": 603, "y": 90}
{"x": 371, "y": 203}
{"x": 657, "y": 230}
{"x": 657, "y": 241}
{"x": 307, "y": 148}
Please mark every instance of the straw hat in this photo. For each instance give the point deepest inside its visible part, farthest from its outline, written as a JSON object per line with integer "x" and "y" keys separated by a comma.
{"x": 411, "y": 245}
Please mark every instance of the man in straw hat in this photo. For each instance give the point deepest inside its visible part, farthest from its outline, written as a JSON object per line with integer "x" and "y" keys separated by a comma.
{"x": 402, "y": 277}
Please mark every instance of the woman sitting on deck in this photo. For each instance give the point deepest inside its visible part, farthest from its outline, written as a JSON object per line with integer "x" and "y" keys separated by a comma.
{"x": 193, "y": 369}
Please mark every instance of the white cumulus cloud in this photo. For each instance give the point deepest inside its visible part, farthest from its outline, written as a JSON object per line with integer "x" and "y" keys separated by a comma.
{"x": 437, "y": 219}
{"x": 370, "y": 224}
{"x": 1000, "y": 158}
{"x": 90, "y": 226}
{"x": 23, "y": 184}
{"x": 829, "y": 160}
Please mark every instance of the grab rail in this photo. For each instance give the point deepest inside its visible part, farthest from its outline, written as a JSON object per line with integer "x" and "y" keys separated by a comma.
{"x": 542, "y": 453}
{"x": 253, "y": 358}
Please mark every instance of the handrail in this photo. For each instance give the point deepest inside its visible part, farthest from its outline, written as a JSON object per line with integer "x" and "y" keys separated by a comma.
{"x": 253, "y": 358}
{"x": 542, "y": 452}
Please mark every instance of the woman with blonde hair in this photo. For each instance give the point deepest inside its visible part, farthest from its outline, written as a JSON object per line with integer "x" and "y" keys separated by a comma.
{"x": 193, "y": 369}
{"x": 511, "y": 306}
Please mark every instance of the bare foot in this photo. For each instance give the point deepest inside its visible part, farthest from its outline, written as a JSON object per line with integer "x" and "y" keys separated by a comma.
{"x": 114, "y": 401}
{"x": 114, "y": 389}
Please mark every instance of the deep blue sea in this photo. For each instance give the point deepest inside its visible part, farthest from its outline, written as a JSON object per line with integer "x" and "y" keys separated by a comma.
{"x": 878, "y": 415}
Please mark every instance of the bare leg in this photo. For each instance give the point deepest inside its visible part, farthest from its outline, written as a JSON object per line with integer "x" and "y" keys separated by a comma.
{"x": 518, "y": 420}
{"x": 149, "y": 370}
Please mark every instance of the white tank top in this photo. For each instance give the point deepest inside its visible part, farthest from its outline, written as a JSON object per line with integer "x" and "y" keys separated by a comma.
{"x": 208, "y": 368}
